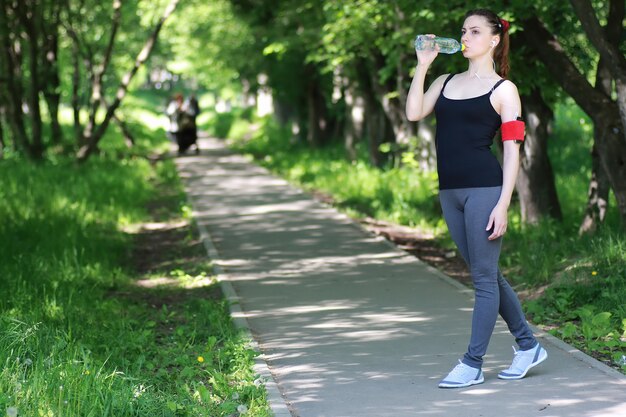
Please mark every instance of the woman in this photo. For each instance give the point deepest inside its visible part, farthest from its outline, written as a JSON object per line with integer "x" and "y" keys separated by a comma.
{"x": 475, "y": 191}
{"x": 172, "y": 111}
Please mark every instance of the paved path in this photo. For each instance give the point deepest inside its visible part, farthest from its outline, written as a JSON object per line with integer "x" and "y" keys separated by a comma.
{"x": 351, "y": 326}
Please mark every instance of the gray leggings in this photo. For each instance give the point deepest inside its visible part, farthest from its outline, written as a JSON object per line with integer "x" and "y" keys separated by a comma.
{"x": 466, "y": 211}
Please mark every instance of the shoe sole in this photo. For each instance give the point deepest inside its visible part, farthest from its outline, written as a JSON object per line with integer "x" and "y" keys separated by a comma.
{"x": 542, "y": 357}
{"x": 469, "y": 384}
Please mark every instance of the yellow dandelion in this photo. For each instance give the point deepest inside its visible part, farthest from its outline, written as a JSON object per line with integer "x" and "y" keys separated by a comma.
{"x": 87, "y": 372}
{"x": 594, "y": 273}
{"x": 200, "y": 359}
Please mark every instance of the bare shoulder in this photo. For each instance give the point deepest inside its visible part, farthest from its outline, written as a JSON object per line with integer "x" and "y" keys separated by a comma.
{"x": 507, "y": 90}
{"x": 441, "y": 79}
{"x": 507, "y": 101}
{"x": 437, "y": 85}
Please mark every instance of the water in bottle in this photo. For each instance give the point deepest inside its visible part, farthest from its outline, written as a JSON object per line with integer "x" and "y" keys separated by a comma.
{"x": 446, "y": 45}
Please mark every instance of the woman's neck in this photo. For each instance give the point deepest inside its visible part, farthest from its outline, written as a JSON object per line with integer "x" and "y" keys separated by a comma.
{"x": 481, "y": 68}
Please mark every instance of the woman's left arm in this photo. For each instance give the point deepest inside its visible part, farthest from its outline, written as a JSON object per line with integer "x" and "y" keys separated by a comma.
{"x": 510, "y": 108}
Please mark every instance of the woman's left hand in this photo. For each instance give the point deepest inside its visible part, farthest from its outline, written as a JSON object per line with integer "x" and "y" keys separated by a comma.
{"x": 498, "y": 220}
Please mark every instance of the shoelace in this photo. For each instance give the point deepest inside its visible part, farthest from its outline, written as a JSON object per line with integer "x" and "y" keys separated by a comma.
{"x": 516, "y": 358}
{"x": 458, "y": 370}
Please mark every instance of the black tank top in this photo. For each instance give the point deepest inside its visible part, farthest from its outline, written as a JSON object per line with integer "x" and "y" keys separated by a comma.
{"x": 465, "y": 132}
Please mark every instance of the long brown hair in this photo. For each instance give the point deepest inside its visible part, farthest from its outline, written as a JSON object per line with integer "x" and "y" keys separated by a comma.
{"x": 501, "y": 51}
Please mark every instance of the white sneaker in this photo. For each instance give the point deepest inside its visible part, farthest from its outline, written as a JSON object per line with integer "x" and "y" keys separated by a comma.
{"x": 523, "y": 361}
{"x": 462, "y": 376}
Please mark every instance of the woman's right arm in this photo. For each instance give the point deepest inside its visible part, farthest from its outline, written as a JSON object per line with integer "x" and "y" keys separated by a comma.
{"x": 418, "y": 104}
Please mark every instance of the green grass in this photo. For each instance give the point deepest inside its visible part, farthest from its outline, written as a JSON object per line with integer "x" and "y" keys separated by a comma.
{"x": 585, "y": 276}
{"x": 78, "y": 335}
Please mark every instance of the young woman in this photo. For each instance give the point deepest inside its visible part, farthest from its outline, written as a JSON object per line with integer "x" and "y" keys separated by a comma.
{"x": 475, "y": 191}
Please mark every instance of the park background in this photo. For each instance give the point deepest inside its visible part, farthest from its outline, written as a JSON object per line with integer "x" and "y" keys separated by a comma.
{"x": 313, "y": 90}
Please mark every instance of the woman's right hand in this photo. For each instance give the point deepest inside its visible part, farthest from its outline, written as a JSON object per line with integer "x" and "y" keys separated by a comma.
{"x": 427, "y": 57}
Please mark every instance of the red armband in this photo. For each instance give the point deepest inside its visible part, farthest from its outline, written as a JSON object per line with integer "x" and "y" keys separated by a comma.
{"x": 513, "y": 130}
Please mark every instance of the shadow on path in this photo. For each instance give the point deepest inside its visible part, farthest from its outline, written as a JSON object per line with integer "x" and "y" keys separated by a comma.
{"x": 351, "y": 326}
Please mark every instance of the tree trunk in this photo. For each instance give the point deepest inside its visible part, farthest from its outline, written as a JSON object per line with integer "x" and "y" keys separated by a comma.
{"x": 2, "y": 143}
{"x": 316, "y": 122}
{"x": 389, "y": 95}
{"x": 535, "y": 182}
{"x": 283, "y": 112}
{"x": 97, "y": 72}
{"x": 76, "y": 92}
{"x": 604, "y": 112}
{"x": 319, "y": 122}
{"x": 374, "y": 132}
{"x": 53, "y": 102}
{"x": 374, "y": 116}
{"x": 85, "y": 151}
{"x": 375, "y": 126}
{"x": 29, "y": 14}
{"x": 52, "y": 82}
{"x": 607, "y": 45}
{"x": 425, "y": 150}
{"x": 11, "y": 66}
{"x": 129, "y": 139}
{"x": 611, "y": 148}
{"x": 350, "y": 107}
{"x": 4, "y": 97}
{"x": 598, "y": 194}
{"x": 354, "y": 116}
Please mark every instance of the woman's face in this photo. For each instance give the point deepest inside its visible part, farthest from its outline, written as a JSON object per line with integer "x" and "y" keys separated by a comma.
{"x": 476, "y": 36}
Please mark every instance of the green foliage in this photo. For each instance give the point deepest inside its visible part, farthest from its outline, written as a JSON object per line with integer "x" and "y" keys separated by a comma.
{"x": 91, "y": 20}
{"x": 62, "y": 258}
{"x": 221, "y": 123}
{"x": 588, "y": 313}
{"x": 209, "y": 43}
{"x": 78, "y": 336}
{"x": 569, "y": 150}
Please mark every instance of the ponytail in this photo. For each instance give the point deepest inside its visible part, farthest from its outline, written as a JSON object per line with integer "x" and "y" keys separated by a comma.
{"x": 501, "y": 56}
{"x": 498, "y": 27}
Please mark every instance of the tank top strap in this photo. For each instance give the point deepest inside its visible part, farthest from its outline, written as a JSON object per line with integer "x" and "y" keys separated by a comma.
{"x": 446, "y": 82}
{"x": 496, "y": 85}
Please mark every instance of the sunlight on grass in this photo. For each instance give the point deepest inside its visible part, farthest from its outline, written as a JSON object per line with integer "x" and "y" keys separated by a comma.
{"x": 79, "y": 335}
{"x": 147, "y": 124}
{"x": 63, "y": 288}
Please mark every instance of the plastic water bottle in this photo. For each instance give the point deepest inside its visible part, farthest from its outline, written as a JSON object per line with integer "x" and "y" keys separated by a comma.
{"x": 446, "y": 45}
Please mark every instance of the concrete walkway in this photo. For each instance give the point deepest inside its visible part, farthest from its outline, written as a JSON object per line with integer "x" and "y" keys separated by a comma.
{"x": 351, "y": 326}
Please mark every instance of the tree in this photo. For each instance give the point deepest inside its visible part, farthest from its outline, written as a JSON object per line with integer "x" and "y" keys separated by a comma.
{"x": 34, "y": 34}
{"x": 290, "y": 31}
{"x": 22, "y": 39}
{"x": 94, "y": 131}
{"x": 30, "y": 39}
{"x": 607, "y": 45}
{"x": 51, "y": 80}
{"x": 602, "y": 109}
{"x": 535, "y": 185}
{"x": 598, "y": 194}
{"x": 326, "y": 61}
{"x": 211, "y": 43}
